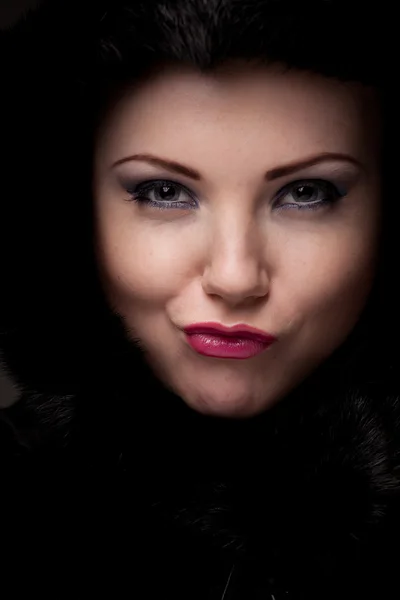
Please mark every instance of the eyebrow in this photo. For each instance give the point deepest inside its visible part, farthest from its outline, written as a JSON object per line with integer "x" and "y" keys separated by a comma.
{"x": 171, "y": 165}
{"x": 270, "y": 175}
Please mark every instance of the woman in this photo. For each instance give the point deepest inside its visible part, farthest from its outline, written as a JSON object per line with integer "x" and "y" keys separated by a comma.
{"x": 198, "y": 320}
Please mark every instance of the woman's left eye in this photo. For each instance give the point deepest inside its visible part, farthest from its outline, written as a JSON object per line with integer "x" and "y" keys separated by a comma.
{"x": 308, "y": 194}
{"x": 162, "y": 194}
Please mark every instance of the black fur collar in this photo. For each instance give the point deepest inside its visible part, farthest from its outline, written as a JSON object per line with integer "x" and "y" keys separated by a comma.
{"x": 303, "y": 499}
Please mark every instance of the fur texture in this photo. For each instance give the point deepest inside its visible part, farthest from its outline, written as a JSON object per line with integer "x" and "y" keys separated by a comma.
{"x": 106, "y": 471}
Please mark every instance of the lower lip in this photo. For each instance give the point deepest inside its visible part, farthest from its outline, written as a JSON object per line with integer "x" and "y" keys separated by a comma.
{"x": 221, "y": 346}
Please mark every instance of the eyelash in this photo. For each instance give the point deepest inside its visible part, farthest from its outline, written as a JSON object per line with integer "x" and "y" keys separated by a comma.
{"x": 138, "y": 193}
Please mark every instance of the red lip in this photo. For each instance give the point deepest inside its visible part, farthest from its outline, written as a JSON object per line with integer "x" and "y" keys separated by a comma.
{"x": 237, "y": 331}
{"x": 219, "y": 341}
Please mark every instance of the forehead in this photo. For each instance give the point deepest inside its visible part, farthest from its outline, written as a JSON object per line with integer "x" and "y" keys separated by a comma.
{"x": 181, "y": 107}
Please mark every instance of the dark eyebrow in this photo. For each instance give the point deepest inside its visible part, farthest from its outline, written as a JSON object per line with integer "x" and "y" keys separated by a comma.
{"x": 275, "y": 173}
{"x": 171, "y": 165}
{"x": 309, "y": 162}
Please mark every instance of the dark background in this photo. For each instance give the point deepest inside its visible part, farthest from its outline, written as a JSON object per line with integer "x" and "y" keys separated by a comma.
{"x": 10, "y": 10}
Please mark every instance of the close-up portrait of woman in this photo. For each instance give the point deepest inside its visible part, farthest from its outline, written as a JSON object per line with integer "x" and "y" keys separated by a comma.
{"x": 199, "y": 304}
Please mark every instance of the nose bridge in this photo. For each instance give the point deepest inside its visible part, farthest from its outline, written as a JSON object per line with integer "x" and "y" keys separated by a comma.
{"x": 235, "y": 264}
{"x": 233, "y": 239}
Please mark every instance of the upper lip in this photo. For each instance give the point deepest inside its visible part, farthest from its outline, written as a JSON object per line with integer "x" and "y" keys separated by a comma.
{"x": 238, "y": 331}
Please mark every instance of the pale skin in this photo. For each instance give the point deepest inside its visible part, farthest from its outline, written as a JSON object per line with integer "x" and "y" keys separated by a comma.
{"x": 231, "y": 252}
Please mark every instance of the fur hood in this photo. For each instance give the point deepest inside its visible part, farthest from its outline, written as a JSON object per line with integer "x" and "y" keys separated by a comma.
{"x": 108, "y": 472}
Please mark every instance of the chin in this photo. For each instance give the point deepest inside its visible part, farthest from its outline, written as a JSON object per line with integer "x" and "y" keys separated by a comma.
{"x": 223, "y": 405}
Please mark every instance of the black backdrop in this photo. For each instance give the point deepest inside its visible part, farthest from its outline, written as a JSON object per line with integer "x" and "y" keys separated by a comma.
{"x": 10, "y": 10}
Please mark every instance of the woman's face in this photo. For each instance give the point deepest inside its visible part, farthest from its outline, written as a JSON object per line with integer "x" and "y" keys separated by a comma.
{"x": 247, "y": 196}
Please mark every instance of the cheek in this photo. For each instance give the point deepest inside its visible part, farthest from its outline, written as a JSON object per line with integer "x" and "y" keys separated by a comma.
{"x": 326, "y": 281}
{"x": 141, "y": 264}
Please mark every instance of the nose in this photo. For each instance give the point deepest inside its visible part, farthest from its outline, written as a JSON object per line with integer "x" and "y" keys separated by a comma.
{"x": 236, "y": 267}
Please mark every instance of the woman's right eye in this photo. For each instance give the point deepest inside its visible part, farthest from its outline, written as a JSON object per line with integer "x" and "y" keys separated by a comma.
{"x": 162, "y": 194}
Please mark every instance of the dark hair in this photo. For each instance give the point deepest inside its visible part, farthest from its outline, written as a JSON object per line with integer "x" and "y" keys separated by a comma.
{"x": 65, "y": 63}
